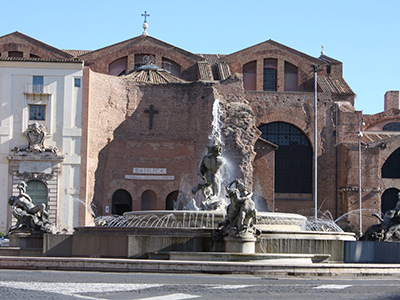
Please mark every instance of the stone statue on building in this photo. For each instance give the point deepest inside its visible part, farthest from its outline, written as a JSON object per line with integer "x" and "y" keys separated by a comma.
{"x": 389, "y": 228}
{"x": 240, "y": 213}
{"x": 29, "y": 216}
{"x": 210, "y": 174}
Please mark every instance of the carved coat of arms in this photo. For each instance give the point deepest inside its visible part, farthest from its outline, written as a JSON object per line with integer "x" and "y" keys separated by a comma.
{"x": 36, "y": 134}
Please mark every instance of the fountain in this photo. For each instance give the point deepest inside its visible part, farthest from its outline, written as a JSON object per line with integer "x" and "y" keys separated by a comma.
{"x": 210, "y": 226}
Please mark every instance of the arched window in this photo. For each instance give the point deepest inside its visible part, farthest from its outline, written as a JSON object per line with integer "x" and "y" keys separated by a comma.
{"x": 270, "y": 74}
{"x": 149, "y": 200}
{"x": 250, "y": 76}
{"x": 118, "y": 67}
{"x": 15, "y": 54}
{"x": 171, "y": 66}
{"x": 290, "y": 77}
{"x": 389, "y": 199}
{"x": 144, "y": 59}
{"x": 293, "y": 159}
{"x": 37, "y": 190}
{"x": 391, "y": 127}
{"x": 391, "y": 167}
{"x": 121, "y": 202}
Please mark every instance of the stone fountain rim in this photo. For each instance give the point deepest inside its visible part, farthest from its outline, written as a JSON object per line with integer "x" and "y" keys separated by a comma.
{"x": 216, "y": 213}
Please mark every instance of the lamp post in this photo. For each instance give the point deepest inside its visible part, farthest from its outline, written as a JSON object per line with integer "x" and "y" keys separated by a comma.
{"x": 315, "y": 67}
{"x": 360, "y": 135}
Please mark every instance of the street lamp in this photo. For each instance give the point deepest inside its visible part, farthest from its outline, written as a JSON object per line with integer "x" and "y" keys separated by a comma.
{"x": 315, "y": 67}
{"x": 360, "y": 135}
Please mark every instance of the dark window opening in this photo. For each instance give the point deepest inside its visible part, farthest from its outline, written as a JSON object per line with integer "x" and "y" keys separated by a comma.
{"x": 175, "y": 199}
{"x": 270, "y": 74}
{"x": 389, "y": 199}
{"x": 391, "y": 167}
{"x": 144, "y": 59}
{"x": 121, "y": 202}
{"x": 37, "y": 112}
{"x": 391, "y": 127}
{"x": 250, "y": 76}
{"x": 270, "y": 80}
{"x": 290, "y": 77}
{"x": 171, "y": 66}
{"x": 149, "y": 200}
{"x": 118, "y": 67}
{"x": 15, "y": 54}
{"x": 38, "y": 83}
{"x": 293, "y": 159}
{"x": 77, "y": 82}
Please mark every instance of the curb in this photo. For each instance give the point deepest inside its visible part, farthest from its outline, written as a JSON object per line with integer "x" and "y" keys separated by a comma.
{"x": 170, "y": 266}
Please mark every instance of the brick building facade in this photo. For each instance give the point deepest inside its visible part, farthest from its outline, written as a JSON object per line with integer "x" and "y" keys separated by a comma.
{"x": 146, "y": 120}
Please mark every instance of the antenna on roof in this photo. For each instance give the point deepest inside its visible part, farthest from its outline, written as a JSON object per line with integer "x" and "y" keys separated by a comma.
{"x": 145, "y": 25}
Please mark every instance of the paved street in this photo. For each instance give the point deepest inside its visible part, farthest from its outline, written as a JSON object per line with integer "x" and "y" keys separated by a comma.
{"x": 15, "y": 284}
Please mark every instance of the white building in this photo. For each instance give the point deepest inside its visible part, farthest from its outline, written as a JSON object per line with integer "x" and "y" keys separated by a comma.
{"x": 40, "y": 133}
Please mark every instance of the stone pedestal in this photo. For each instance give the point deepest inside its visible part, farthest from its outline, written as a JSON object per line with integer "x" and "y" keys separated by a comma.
{"x": 28, "y": 242}
{"x": 240, "y": 244}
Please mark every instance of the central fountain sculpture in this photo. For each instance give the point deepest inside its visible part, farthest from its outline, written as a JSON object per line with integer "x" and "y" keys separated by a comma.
{"x": 210, "y": 167}
{"x": 211, "y": 175}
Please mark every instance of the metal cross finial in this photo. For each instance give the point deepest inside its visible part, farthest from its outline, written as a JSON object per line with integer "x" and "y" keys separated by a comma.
{"x": 145, "y": 15}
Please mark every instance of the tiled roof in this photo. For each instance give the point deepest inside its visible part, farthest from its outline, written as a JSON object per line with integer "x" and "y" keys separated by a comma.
{"x": 60, "y": 53}
{"x": 335, "y": 85}
{"x": 71, "y": 60}
{"x": 223, "y": 70}
{"x": 212, "y": 59}
{"x": 77, "y": 53}
{"x": 370, "y": 138}
{"x": 152, "y": 74}
{"x": 205, "y": 72}
{"x": 275, "y": 146}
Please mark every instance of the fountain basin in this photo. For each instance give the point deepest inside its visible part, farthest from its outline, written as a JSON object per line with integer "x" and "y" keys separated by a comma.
{"x": 136, "y": 234}
{"x": 125, "y": 242}
{"x": 209, "y": 219}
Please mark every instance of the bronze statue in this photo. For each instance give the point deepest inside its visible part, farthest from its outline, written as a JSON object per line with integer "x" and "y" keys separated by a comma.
{"x": 241, "y": 212}
{"x": 389, "y": 228}
{"x": 210, "y": 174}
{"x": 29, "y": 216}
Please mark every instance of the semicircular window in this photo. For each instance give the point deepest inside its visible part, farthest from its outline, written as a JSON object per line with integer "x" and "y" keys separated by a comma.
{"x": 391, "y": 167}
{"x": 293, "y": 159}
{"x": 394, "y": 126}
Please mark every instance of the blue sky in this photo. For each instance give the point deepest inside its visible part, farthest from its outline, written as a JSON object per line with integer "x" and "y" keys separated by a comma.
{"x": 364, "y": 35}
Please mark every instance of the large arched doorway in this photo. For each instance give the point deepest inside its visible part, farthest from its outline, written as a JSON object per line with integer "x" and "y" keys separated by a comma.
{"x": 391, "y": 167}
{"x": 293, "y": 158}
{"x": 175, "y": 199}
{"x": 389, "y": 199}
{"x": 121, "y": 202}
{"x": 149, "y": 200}
{"x": 38, "y": 192}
